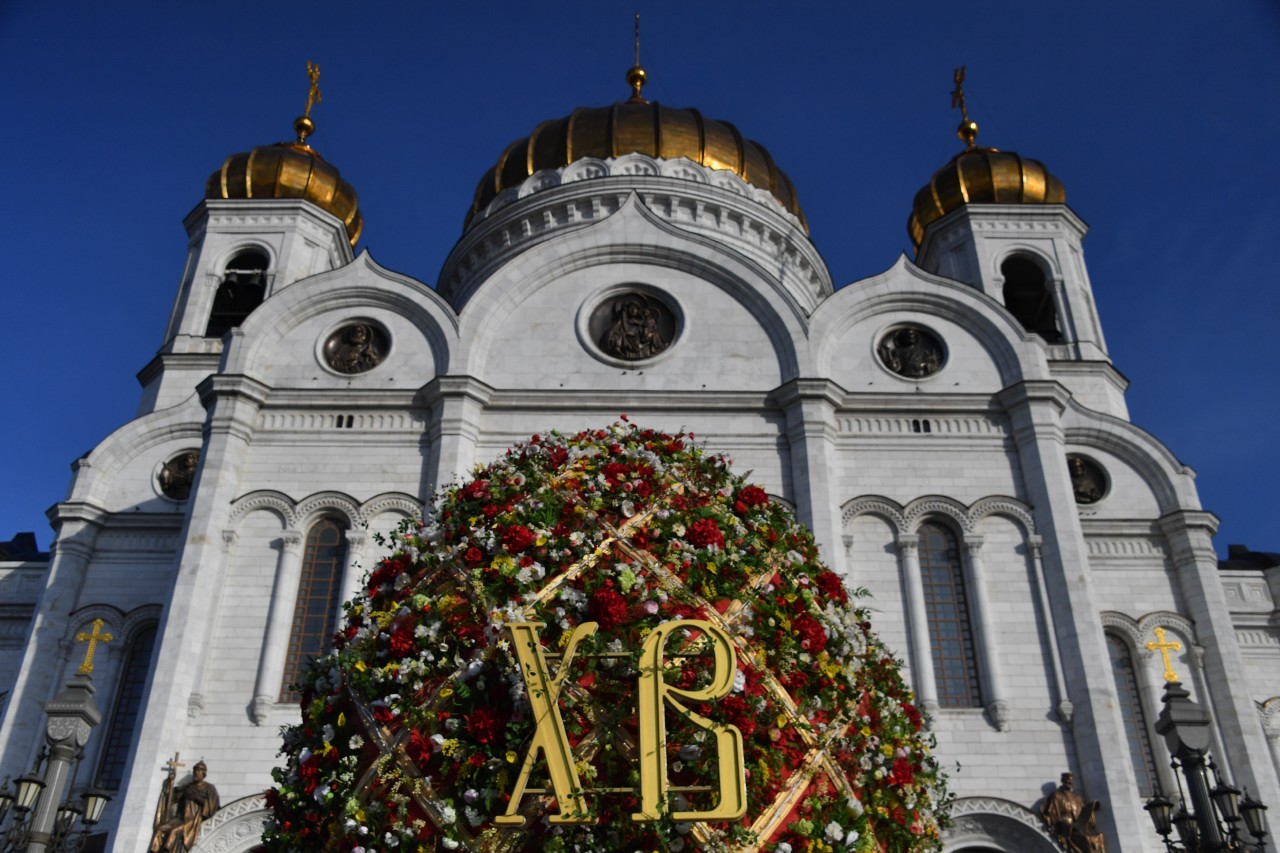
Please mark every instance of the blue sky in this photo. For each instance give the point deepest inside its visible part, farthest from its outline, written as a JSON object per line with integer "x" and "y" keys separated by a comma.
{"x": 1160, "y": 118}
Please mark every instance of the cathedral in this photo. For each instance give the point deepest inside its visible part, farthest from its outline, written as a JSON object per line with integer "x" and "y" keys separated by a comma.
{"x": 952, "y": 430}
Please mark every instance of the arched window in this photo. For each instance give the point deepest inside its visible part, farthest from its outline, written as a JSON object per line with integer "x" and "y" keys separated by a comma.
{"x": 951, "y": 641}
{"x": 243, "y": 286}
{"x": 323, "y": 558}
{"x": 128, "y": 707}
{"x": 1135, "y": 719}
{"x": 1028, "y": 297}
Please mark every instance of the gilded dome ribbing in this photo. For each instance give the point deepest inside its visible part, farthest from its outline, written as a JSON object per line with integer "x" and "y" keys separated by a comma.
{"x": 289, "y": 170}
{"x": 636, "y": 126}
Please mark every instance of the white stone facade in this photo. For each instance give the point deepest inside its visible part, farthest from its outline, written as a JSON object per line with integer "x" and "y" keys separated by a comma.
{"x": 770, "y": 364}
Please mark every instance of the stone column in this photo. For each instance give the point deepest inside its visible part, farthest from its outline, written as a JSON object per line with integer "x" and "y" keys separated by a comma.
{"x": 810, "y": 406}
{"x": 72, "y": 715}
{"x": 284, "y": 596}
{"x": 1035, "y": 409}
{"x": 232, "y": 402}
{"x": 918, "y": 617}
{"x": 195, "y": 701}
{"x": 988, "y": 643}
{"x": 1195, "y": 562}
{"x": 1271, "y": 727}
{"x": 1034, "y": 543}
{"x": 350, "y": 586}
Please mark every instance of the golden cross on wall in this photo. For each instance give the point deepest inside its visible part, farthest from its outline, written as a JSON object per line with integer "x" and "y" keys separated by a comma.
{"x": 92, "y": 639}
{"x": 1165, "y": 648}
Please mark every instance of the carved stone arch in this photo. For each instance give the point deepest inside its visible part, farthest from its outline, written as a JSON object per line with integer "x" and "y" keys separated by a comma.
{"x": 1170, "y": 481}
{"x": 938, "y": 506}
{"x": 997, "y": 824}
{"x": 235, "y": 828}
{"x": 113, "y": 623}
{"x": 277, "y": 502}
{"x": 312, "y": 507}
{"x": 887, "y": 508}
{"x": 1031, "y": 253}
{"x": 781, "y": 501}
{"x": 406, "y": 505}
{"x": 1006, "y": 506}
{"x": 1125, "y": 627}
{"x": 1169, "y": 619}
{"x": 247, "y": 244}
{"x": 138, "y": 618}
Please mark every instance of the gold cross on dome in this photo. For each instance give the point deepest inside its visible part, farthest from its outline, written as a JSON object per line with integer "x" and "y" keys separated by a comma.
{"x": 957, "y": 95}
{"x": 1165, "y": 648}
{"x": 313, "y": 93}
{"x": 92, "y": 639}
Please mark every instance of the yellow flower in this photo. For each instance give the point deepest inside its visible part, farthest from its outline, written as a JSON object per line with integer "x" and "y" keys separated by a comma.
{"x": 360, "y": 665}
{"x": 445, "y": 692}
{"x": 342, "y": 719}
{"x": 511, "y": 757}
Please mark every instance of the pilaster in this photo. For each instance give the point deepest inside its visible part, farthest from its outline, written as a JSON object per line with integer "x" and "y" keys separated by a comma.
{"x": 810, "y": 406}
{"x": 918, "y": 619}
{"x": 232, "y": 403}
{"x": 988, "y": 635}
{"x": 456, "y": 405}
{"x": 284, "y": 597}
{"x": 1035, "y": 410}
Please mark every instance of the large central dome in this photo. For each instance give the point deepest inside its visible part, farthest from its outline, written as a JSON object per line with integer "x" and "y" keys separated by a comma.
{"x": 636, "y": 126}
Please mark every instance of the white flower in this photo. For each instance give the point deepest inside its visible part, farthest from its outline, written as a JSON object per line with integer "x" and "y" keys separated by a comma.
{"x": 834, "y": 832}
{"x": 628, "y": 509}
{"x": 739, "y": 681}
{"x": 783, "y": 847}
{"x": 851, "y": 838}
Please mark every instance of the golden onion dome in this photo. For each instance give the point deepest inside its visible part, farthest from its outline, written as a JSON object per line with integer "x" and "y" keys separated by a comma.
{"x": 289, "y": 170}
{"x": 981, "y": 176}
{"x": 636, "y": 126}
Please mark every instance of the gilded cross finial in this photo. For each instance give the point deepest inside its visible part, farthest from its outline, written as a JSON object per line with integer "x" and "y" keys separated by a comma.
{"x": 636, "y": 75}
{"x": 313, "y": 92}
{"x": 1164, "y": 649}
{"x": 303, "y": 125}
{"x": 97, "y": 636}
{"x": 968, "y": 130}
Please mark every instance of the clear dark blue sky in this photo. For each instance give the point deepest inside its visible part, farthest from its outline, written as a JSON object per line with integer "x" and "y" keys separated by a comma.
{"x": 1161, "y": 119}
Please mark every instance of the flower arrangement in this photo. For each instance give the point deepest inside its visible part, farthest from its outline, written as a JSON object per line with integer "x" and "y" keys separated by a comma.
{"x": 416, "y": 726}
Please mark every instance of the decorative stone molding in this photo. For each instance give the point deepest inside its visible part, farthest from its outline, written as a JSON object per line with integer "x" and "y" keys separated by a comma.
{"x": 998, "y": 711}
{"x": 1269, "y": 712}
{"x": 907, "y": 519}
{"x": 953, "y": 426}
{"x": 260, "y": 709}
{"x": 235, "y": 828}
{"x": 993, "y": 822}
{"x": 722, "y": 208}
{"x": 195, "y": 705}
{"x": 298, "y": 515}
{"x": 1138, "y": 547}
{"x": 355, "y": 421}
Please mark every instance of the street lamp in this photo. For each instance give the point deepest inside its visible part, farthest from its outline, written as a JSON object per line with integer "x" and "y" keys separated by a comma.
{"x": 1210, "y": 821}
{"x": 43, "y": 821}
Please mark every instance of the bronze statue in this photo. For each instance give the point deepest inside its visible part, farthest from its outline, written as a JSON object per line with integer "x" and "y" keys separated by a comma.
{"x": 1087, "y": 481}
{"x": 911, "y": 352}
{"x": 635, "y": 332}
{"x": 178, "y": 474}
{"x": 354, "y": 349}
{"x": 1071, "y": 820}
{"x": 181, "y": 812}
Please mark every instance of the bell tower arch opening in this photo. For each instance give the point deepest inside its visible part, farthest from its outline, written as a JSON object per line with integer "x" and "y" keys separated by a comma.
{"x": 1028, "y": 295}
{"x": 243, "y": 287}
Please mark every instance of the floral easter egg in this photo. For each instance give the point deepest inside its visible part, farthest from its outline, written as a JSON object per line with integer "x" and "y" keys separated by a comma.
{"x": 606, "y": 642}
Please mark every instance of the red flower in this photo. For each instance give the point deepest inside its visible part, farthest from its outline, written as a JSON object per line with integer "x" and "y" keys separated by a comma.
{"x": 473, "y": 555}
{"x": 913, "y": 715}
{"x": 476, "y": 489}
{"x": 704, "y": 533}
{"x": 812, "y": 638}
{"x": 483, "y": 725}
{"x": 401, "y": 642}
{"x": 903, "y": 773}
{"x": 615, "y": 472}
{"x": 518, "y": 538}
{"x": 608, "y": 608}
{"x": 832, "y": 587}
{"x": 753, "y": 496}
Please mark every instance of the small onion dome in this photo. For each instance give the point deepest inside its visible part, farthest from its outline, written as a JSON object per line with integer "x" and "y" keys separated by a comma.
{"x": 636, "y": 126}
{"x": 289, "y": 170}
{"x": 982, "y": 176}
